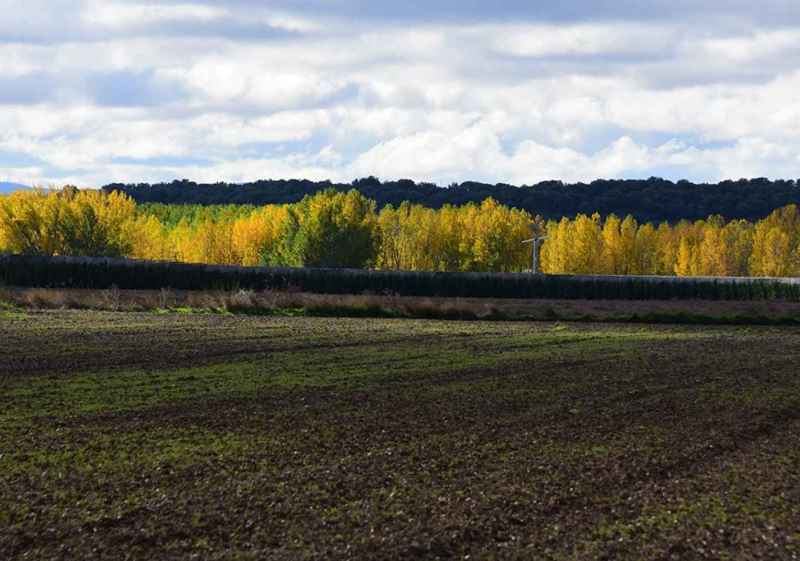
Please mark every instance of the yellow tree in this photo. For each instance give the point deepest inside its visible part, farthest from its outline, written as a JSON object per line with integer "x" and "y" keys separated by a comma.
{"x": 667, "y": 249}
{"x": 493, "y": 236}
{"x": 410, "y": 238}
{"x": 150, "y": 240}
{"x": 182, "y": 238}
{"x": 612, "y": 246}
{"x": 775, "y": 244}
{"x": 738, "y": 240}
{"x": 420, "y": 239}
{"x": 586, "y": 246}
{"x": 646, "y": 252}
{"x": 684, "y": 262}
{"x": 258, "y": 234}
{"x": 96, "y": 223}
{"x": 628, "y": 231}
{"x": 452, "y": 235}
{"x": 554, "y": 250}
{"x": 29, "y": 222}
{"x": 772, "y": 251}
{"x": 67, "y": 222}
{"x": 712, "y": 250}
{"x": 687, "y": 261}
{"x": 390, "y": 253}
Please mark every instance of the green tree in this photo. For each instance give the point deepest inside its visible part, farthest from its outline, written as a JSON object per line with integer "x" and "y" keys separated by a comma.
{"x": 329, "y": 229}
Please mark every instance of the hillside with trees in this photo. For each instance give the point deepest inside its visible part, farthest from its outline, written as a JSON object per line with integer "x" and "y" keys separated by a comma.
{"x": 651, "y": 200}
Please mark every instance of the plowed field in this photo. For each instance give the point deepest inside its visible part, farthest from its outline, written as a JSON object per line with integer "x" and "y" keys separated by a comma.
{"x": 144, "y": 436}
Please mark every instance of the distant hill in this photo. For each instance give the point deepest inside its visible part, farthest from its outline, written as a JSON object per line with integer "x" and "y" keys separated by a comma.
{"x": 653, "y": 199}
{"x": 6, "y": 188}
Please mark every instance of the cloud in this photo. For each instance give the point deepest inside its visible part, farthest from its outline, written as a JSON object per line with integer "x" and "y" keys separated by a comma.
{"x": 123, "y": 14}
{"x": 758, "y": 46}
{"x": 220, "y": 81}
{"x": 100, "y": 91}
{"x": 778, "y": 12}
{"x": 583, "y": 40}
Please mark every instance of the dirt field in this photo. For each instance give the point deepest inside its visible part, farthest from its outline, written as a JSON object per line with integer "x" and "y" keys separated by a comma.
{"x": 178, "y": 436}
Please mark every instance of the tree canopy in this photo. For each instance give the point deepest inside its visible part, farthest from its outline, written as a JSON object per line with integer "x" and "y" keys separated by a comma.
{"x": 335, "y": 229}
{"x": 648, "y": 200}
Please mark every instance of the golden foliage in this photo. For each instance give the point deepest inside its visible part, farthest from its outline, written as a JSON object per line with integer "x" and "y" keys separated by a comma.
{"x": 712, "y": 247}
{"x": 343, "y": 227}
{"x": 66, "y": 222}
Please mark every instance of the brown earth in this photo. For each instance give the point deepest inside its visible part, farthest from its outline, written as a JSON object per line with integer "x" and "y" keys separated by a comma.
{"x": 395, "y": 439}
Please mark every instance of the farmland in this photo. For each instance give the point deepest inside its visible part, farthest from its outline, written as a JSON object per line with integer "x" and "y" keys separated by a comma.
{"x": 143, "y": 435}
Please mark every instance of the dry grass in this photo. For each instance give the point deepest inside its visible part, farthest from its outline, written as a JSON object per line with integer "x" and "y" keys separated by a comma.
{"x": 244, "y": 301}
{"x": 374, "y": 305}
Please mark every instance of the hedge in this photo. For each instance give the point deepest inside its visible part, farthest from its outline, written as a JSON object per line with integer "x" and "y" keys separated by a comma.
{"x": 104, "y": 273}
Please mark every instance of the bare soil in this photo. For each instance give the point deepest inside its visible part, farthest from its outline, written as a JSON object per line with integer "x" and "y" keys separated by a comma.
{"x": 143, "y": 436}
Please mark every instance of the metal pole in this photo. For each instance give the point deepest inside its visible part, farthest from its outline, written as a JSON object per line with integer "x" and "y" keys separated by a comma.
{"x": 536, "y": 245}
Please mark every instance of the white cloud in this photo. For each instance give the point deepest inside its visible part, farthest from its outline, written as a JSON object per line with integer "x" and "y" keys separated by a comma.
{"x": 289, "y": 22}
{"x": 121, "y": 14}
{"x": 718, "y": 112}
{"x": 582, "y": 40}
{"x": 223, "y": 80}
{"x": 231, "y": 90}
{"x": 232, "y": 132}
{"x": 753, "y": 47}
{"x": 469, "y": 153}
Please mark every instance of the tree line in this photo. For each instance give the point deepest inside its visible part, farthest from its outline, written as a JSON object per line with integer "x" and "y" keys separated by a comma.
{"x": 346, "y": 230}
{"x": 649, "y": 200}
{"x": 711, "y": 247}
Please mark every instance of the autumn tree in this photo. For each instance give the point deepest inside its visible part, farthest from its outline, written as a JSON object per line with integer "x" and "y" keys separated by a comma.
{"x": 612, "y": 257}
{"x": 776, "y": 244}
{"x": 666, "y": 250}
{"x": 335, "y": 229}
{"x": 329, "y": 229}
{"x": 150, "y": 240}
{"x": 257, "y": 235}
{"x": 67, "y": 222}
{"x": 645, "y": 255}
{"x": 554, "y": 258}
{"x": 738, "y": 240}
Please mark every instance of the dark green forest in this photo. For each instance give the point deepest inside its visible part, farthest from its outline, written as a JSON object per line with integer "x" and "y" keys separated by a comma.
{"x": 651, "y": 200}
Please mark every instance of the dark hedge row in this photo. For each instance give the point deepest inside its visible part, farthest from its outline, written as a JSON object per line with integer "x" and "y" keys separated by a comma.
{"x": 101, "y": 273}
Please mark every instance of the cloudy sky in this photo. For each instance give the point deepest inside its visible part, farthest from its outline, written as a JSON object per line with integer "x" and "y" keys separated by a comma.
{"x": 95, "y": 91}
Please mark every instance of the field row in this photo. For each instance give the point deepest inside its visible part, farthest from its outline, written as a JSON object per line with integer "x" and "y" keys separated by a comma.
{"x": 144, "y": 436}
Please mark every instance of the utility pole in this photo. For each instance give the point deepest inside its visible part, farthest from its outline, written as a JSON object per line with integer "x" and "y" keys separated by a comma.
{"x": 536, "y": 246}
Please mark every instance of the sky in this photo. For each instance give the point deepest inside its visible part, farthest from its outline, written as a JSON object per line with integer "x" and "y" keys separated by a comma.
{"x": 517, "y": 91}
